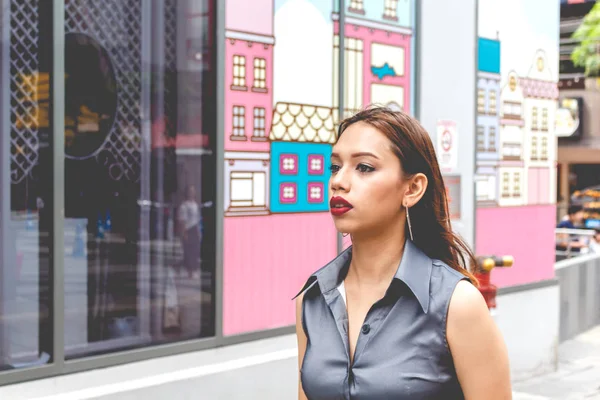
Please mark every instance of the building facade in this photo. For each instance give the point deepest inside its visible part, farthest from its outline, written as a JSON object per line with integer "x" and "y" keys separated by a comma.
{"x": 248, "y": 107}
{"x": 488, "y": 121}
{"x": 540, "y": 103}
{"x": 511, "y": 169}
{"x": 378, "y": 46}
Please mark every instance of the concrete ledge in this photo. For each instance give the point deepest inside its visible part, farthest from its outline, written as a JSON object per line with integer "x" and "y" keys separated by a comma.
{"x": 528, "y": 286}
{"x": 529, "y": 321}
{"x": 579, "y": 294}
{"x": 230, "y": 372}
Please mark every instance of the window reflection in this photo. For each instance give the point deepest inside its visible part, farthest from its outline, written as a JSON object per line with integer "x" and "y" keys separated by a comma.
{"x": 139, "y": 173}
{"x": 26, "y": 162}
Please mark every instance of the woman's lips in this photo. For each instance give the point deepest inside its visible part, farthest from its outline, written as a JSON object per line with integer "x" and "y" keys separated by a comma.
{"x": 339, "y": 206}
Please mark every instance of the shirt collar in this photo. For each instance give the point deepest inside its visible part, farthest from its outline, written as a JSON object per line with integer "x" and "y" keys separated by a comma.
{"x": 414, "y": 271}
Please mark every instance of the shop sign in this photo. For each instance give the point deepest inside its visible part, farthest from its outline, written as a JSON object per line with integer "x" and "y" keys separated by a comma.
{"x": 447, "y": 145}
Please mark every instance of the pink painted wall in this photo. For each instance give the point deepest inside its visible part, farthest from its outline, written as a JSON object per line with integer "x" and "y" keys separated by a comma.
{"x": 533, "y": 183}
{"x": 252, "y": 16}
{"x": 248, "y": 97}
{"x": 544, "y": 188}
{"x": 266, "y": 262}
{"x": 539, "y": 186}
{"x": 382, "y": 37}
{"x": 526, "y": 233}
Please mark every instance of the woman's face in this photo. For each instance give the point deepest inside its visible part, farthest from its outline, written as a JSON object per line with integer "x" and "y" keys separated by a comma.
{"x": 366, "y": 187}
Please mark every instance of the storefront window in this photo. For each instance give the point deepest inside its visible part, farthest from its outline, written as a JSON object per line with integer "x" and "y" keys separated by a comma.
{"x": 139, "y": 174}
{"x": 26, "y": 171}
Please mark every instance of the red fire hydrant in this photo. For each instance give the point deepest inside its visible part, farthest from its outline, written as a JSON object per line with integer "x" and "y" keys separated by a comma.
{"x": 482, "y": 272}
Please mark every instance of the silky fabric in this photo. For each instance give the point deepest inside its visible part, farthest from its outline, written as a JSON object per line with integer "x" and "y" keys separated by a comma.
{"x": 401, "y": 352}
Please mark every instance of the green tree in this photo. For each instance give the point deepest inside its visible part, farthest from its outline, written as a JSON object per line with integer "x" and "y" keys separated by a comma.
{"x": 587, "y": 52}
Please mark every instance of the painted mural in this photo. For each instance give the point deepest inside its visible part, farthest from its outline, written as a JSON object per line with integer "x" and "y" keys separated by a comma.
{"x": 517, "y": 94}
{"x": 281, "y": 111}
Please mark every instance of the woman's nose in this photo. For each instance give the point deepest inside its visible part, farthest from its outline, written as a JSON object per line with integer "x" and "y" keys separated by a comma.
{"x": 339, "y": 181}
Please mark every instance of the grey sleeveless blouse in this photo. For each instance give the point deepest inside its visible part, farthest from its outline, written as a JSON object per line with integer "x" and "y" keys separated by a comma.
{"x": 401, "y": 352}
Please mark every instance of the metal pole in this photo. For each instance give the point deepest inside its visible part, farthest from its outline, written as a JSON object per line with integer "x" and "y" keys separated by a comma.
{"x": 5, "y": 282}
{"x": 58, "y": 203}
{"x": 144, "y": 245}
{"x": 341, "y": 80}
{"x": 220, "y": 61}
{"x": 474, "y": 127}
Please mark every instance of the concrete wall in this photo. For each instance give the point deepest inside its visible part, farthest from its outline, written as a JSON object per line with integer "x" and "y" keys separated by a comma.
{"x": 446, "y": 87}
{"x": 579, "y": 294}
{"x": 528, "y": 317}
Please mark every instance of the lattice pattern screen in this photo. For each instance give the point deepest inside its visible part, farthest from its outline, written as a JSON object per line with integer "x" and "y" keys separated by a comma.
{"x": 24, "y": 88}
{"x": 117, "y": 26}
{"x": 170, "y": 78}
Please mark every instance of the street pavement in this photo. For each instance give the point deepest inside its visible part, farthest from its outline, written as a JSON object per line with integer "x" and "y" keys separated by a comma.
{"x": 577, "y": 377}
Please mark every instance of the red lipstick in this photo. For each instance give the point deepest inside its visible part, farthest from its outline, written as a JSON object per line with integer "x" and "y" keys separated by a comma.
{"x": 338, "y": 206}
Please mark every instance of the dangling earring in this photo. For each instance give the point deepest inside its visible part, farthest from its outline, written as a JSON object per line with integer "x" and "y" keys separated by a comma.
{"x": 409, "y": 225}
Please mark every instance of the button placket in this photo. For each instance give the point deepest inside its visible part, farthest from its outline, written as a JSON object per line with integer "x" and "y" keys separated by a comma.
{"x": 366, "y": 328}
{"x": 372, "y": 321}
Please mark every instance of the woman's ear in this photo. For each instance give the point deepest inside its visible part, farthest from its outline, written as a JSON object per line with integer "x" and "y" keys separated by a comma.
{"x": 417, "y": 185}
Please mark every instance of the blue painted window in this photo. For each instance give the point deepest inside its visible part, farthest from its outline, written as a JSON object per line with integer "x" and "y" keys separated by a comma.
{"x": 299, "y": 177}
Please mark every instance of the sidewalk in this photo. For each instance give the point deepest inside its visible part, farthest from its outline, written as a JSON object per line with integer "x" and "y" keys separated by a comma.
{"x": 578, "y": 375}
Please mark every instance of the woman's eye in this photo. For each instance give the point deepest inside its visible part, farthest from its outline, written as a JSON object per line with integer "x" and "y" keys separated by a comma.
{"x": 365, "y": 168}
{"x": 334, "y": 168}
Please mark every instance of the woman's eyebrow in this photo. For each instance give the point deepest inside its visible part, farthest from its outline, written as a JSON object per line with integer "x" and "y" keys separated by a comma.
{"x": 354, "y": 155}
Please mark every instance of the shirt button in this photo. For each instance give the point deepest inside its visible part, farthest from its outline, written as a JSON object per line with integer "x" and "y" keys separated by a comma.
{"x": 366, "y": 328}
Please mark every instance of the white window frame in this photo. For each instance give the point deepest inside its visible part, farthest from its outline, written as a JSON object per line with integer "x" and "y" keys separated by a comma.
{"x": 239, "y": 71}
{"x": 260, "y": 73}
{"x": 257, "y": 182}
{"x": 481, "y": 101}
{"x": 353, "y": 85}
{"x": 480, "y": 138}
{"x": 534, "y": 147}
{"x": 492, "y": 137}
{"x": 492, "y": 108}
{"x": 311, "y": 187}
{"x": 505, "y": 184}
{"x": 357, "y": 5}
{"x": 545, "y": 119}
{"x": 390, "y": 9}
{"x": 534, "y": 119}
{"x": 544, "y": 154}
{"x": 516, "y": 183}
{"x": 238, "y": 126}
{"x": 259, "y": 122}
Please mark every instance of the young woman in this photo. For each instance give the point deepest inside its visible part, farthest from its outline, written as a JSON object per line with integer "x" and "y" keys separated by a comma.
{"x": 395, "y": 316}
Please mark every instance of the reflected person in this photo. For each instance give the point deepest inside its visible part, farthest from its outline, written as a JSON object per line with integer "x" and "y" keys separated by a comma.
{"x": 189, "y": 220}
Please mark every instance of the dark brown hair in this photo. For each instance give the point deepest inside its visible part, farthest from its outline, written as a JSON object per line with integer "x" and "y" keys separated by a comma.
{"x": 430, "y": 216}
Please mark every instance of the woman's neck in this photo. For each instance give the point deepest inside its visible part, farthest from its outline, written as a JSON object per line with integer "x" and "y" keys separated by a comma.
{"x": 375, "y": 259}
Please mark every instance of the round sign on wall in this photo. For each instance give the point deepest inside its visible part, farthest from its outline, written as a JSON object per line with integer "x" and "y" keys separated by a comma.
{"x": 446, "y": 140}
{"x": 90, "y": 96}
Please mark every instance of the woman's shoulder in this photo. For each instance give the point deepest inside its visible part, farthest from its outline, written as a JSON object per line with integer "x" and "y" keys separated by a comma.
{"x": 446, "y": 273}
{"x": 466, "y": 304}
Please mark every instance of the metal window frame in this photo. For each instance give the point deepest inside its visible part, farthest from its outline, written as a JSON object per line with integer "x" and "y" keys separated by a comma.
{"x": 60, "y": 366}
{"x": 57, "y": 309}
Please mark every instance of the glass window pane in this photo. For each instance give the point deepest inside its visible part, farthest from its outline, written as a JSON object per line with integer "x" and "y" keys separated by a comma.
{"x": 26, "y": 207}
{"x": 139, "y": 220}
